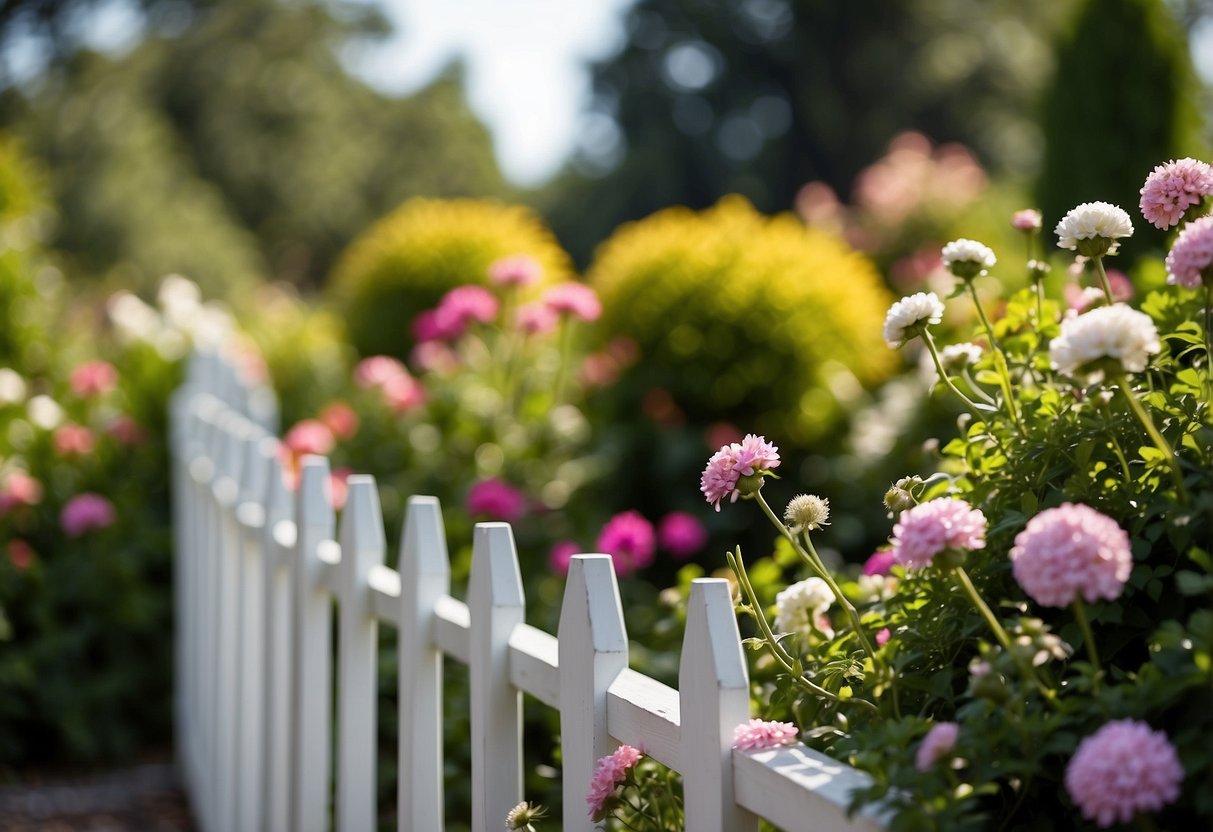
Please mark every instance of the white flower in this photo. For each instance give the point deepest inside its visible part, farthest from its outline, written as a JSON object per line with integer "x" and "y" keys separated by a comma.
{"x": 45, "y": 412}
{"x": 968, "y": 258}
{"x": 923, "y": 307}
{"x": 798, "y": 606}
{"x": 180, "y": 298}
{"x": 133, "y": 319}
{"x": 958, "y": 356}
{"x": 1115, "y": 332}
{"x": 807, "y": 511}
{"x": 12, "y": 386}
{"x": 1093, "y": 228}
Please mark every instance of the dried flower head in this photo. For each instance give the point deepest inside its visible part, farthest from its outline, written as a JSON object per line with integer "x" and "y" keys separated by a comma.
{"x": 1122, "y": 769}
{"x": 1172, "y": 188}
{"x": 1190, "y": 258}
{"x": 521, "y": 816}
{"x": 1106, "y": 338}
{"x": 806, "y": 512}
{"x": 909, "y": 313}
{"x": 1094, "y": 228}
{"x": 968, "y": 259}
{"x": 1070, "y": 550}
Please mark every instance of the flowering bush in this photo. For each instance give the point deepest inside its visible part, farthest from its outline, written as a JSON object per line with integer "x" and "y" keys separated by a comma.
{"x": 1034, "y": 647}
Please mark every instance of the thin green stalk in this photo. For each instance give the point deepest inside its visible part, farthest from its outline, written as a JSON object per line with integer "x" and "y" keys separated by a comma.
{"x": 1103, "y": 279}
{"x": 566, "y": 350}
{"x": 1080, "y": 615}
{"x": 1157, "y": 438}
{"x": 1209, "y": 340}
{"x": 1120, "y": 454}
{"x": 976, "y": 388}
{"x": 1000, "y": 359}
{"x": 930, "y": 342}
{"x": 1000, "y": 633}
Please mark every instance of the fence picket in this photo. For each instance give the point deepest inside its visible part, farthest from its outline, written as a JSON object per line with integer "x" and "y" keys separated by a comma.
{"x": 311, "y": 652}
{"x": 593, "y": 650}
{"x": 425, "y": 576}
{"x": 278, "y": 539}
{"x": 362, "y": 548}
{"x": 496, "y": 604}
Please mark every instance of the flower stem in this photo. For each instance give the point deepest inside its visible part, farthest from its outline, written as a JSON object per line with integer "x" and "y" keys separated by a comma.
{"x": 1000, "y": 633}
{"x": 1103, "y": 279}
{"x": 930, "y": 342}
{"x": 1209, "y": 340}
{"x": 1158, "y": 439}
{"x": 1000, "y": 359}
{"x": 1080, "y": 615}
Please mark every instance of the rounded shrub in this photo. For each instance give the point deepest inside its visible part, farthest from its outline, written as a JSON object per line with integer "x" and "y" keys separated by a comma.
{"x": 406, "y": 261}
{"x": 744, "y": 316}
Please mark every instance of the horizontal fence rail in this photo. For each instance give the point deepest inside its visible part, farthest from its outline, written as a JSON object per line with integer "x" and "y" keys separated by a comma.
{"x": 273, "y": 717}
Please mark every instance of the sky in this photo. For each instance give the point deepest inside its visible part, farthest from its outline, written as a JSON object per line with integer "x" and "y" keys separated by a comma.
{"x": 526, "y": 62}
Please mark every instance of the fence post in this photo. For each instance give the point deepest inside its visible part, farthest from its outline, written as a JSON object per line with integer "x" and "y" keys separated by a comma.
{"x": 204, "y": 470}
{"x": 362, "y": 547}
{"x": 496, "y": 605}
{"x": 714, "y": 694}
{"x": 250, "y": 514}
{"x": 425, "y": 576}
{"x": 593, "y": 650}
{"x": 311, "y": 652}
{"x": 276, "y": 577}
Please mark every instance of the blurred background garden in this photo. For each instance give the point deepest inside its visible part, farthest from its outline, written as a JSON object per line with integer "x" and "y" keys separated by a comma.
{"x": 744, "y": 186}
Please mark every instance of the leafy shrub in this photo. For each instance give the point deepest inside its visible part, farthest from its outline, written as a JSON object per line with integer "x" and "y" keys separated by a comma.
{"x": 405, "y": 262}
{"x": 739, "y": 314}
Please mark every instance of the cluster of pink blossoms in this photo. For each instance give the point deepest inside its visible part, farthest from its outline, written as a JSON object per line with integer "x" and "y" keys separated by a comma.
{"x": 86, "y": 512}
{"x": 758, "y": 734}
{"x": 630, "y": 540}
{"x": 1173, "y": 188}
{"x": 401, "y": 392}
{"x": 93, "y": 378}
{"x": 1192, "y": 255}
{"x": 458, "y": 309}
{"x": 515, "y": 270}
{"x": 1068, "y": 551}
{"x": 750, "y": 456}
{"x": 1122, "y": 769}
{"x": 929, "y": 528}
{"x": 610, "y": 771}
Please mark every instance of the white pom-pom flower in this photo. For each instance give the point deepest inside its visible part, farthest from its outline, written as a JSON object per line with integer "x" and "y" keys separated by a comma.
{"x": 1093, "y": 229}
{"x": 920, "y": 308}
{"x": 1114, "y": 333}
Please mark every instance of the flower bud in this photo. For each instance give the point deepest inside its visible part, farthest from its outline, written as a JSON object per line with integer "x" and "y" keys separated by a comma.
{"x": 749, "y": 484}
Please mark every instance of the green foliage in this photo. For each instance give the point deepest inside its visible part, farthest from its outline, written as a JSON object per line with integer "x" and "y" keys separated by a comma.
{"x": 406, "y": 261}
{"x": 742, "y": 316}
{"x": 1123, "y": 99}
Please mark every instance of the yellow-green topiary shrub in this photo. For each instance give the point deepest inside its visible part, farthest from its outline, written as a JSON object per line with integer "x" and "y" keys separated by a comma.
{"x": 406, "y": 261}
{"x": 745, "y": 317}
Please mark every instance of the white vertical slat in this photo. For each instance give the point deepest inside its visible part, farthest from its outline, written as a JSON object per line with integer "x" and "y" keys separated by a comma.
{"x": 362, "y": 548}
{"x": 204, "y": 470}
{"x": 311, "y": 652}
{"x": 496, "y": 605}
{"x": 276, "y": 577}
{"x": 226, "y": 488}
{"x": 250, "y": 512}
{"x": 714, "y": 697}
{"x": 178, "y": 439}
{"x": 425, "y": 576}
{"x": 593, "y": 651}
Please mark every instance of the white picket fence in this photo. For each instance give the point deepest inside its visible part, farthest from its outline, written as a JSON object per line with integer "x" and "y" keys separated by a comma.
{"x": 261, "y": 743}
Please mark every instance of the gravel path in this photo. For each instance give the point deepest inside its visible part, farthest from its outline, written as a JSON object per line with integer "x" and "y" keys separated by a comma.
{"x": 143, "y": 798}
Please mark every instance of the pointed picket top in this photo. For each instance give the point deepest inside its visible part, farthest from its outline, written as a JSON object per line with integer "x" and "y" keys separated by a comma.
{"x": 423, "y": 549}
{"x": 592, "y": 604}
{"x": 314, "y": 500}
{"x": 496, "y": 580}
{"x": 714, "y": 697}
{"x": 362, "y": 538}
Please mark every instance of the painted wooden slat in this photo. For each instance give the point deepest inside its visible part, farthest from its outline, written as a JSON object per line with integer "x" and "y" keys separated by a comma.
{"x": 644, "y": 713}
{"x": 311, "y": 653}
{"x": 593, "y": 652}
{"x": 452, "y": 625}
{"x": 535, "y": 664}
{"x": 362, "y": 549}
{"x": 496, "y": 603}
{"x": 714, "y": 685}
{"x": 384, "y": 584}
{"x": 424, "y": 578}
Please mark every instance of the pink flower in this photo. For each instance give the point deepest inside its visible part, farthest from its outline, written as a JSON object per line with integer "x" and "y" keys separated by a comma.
{"x": 758, "y": 734}
{"x": 125, "y": 430}
{"x": 936, "y": 745}
{"x": 377, "y": 370}
{"x": 496, "y": 499}
{"x": 74, "y": 440}
{"x": 883, "y": 636}
{"x": 609, "y": 772}
{"x": 93, "y": 378}
{"x": 1028, "y": 220}
{"x": 20, "y": 554}
{"x": 630, "y": 540}
{"x": 880, "y": 563}
{"x": 562, "y": 552}
{"x": 536, "y": 319}
{"x": 339, "y": 486}
{"x": 310, "y": 436}
{"x": 340, "y": 419}
{"x": 403, "y": 393}
{"x": 434, "y": 357}
{"x": 427, "y": 327}
{"x": 751, "y": 455}
{"x": 929, "y": 528}
{"x": 1190, "y": 257}
{"x": 1122, "y": 769}
{"x": 681, "y": 534}
{"x": 86, "y": 512}
{"x": 1069, "y": 550}
{"x": 517, "y": 270}
{"x": 462, "y": 306}
{"x": 575, "y": 299}
{"x": 20, "y": 489}
{"x": 1173, "y": 188}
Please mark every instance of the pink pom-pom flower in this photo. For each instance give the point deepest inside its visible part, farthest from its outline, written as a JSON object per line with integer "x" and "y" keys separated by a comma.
{"x": 630, "y": 540}
{"x": 1071, "y": 550}
{"x": 93, "y": 378}
{"x": 1172, "y": 188}
{"x": 1192, "y": 255}
{"x": 929, "y": 528}
{"x": 1122, "y": 769}
{"x": 609, "y": 772}
{"x": 496, "y": 499}
{"x": 517, "y": 270}
{"x": 936, "y": 745}
{"x": 310, "y": 436}
{"x": 574, "y": 299}
{"x": 751, "y": 455}
{"x": 86, "y": 512}
{"x": 758, "y": 734}
{"x": 681, "y": 534}
{"x": 561, "y": 554}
